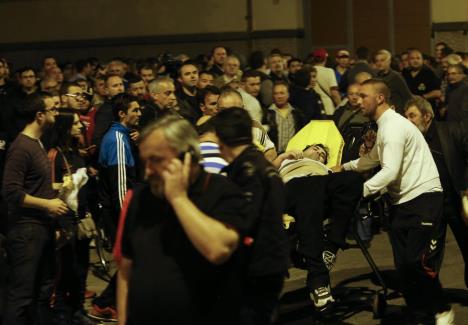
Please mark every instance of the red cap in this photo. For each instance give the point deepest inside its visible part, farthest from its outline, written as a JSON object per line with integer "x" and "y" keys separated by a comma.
{"x": 320, "y": 54}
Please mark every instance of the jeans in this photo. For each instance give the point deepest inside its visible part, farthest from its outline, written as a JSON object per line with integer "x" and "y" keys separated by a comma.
{"x": 31, "y": 259}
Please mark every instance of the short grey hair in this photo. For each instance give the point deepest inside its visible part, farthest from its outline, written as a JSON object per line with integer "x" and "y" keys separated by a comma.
{"x": 180, "y": 134}
{"x": 384, "y": 52}
{"x": 156, "y": 86}
{"x": 423, "y": 106}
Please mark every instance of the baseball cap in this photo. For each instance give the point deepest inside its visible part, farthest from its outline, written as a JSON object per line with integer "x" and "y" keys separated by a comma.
{"x": 320, "y": 53}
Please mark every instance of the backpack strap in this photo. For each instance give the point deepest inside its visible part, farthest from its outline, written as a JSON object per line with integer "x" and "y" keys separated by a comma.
{"x": 51, "y": 155}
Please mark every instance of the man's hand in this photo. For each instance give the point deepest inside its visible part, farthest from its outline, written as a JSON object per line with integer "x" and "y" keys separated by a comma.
{"x": 337, "y": 169}
{"x": 56, "y": 207}
{"x": 134, "y": 135}
{"x": 293, "y": 154}
{"x": 176, "y": 178}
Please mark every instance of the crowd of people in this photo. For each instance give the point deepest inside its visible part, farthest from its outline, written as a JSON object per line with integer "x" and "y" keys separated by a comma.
{"x": 185, "y": 163}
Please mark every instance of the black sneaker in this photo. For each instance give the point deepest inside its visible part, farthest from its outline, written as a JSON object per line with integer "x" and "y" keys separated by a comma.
{"x": 322, "y": 297}
{"x": 329, "y": 259}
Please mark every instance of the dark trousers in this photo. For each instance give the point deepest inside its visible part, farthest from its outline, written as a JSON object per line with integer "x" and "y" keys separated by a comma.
{"x": 311, "y": 200}
{"x": 260, "y": 298}
{"x": 31, "y": 258}
{"x": 108, "y": 297}
{"x": 417, "y": 235}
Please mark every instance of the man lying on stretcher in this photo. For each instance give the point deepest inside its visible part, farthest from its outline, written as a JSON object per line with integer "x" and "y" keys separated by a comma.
{"x": 314, "y": 193}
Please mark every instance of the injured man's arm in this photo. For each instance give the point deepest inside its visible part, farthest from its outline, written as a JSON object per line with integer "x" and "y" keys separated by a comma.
{"x": 309, "y": 162}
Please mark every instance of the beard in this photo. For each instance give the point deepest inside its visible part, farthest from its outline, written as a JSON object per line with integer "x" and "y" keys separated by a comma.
{"x": 156, "y": 186}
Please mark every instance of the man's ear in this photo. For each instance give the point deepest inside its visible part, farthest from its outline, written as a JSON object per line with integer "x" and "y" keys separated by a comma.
{"x": 202, "y": 107}
{"x": 122, "y": 114}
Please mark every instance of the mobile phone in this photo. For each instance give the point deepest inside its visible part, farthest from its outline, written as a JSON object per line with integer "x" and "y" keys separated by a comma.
{"x": 181, "y": 156}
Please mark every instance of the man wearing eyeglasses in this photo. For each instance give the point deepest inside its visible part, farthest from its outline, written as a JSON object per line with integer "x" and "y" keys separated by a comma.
{"x": 32, "y": 205}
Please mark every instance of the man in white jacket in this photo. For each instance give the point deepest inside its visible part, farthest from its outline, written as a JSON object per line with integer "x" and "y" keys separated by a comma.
{"x": 409, "y": 173}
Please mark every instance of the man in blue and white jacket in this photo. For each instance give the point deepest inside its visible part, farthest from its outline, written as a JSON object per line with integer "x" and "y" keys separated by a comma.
{"x": 116, "y": 175}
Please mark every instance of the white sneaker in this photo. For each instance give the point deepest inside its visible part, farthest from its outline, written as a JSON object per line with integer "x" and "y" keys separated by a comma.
{"x": 445, "y": 318}
{"x": 322, "y": 297}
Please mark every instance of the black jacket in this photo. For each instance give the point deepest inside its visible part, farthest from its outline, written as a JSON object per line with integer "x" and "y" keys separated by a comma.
{"x": 299, "y": 122}
{"x": 453, "y": 137}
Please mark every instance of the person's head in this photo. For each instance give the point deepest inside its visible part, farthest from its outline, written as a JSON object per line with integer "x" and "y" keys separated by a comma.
{"x": 126, "y": 110}
{"x": 438, "y": 50}
{"x": 49, "y": 84}
{"x": 188, "y": 74}
{"x": 294, "y": 65}
{"x": 57, "y": 74}
{"x": 228, "y": 98}
{"x": 162, "y": 141}
{"x": 206, "y": 78}
{"x": 99, "y": 86}
{"x": 382, "y": 60}
{"x": 48, "y": 64}
{"x": 302, "y": 78}
{"x": 316, "y": 151}
{"x": 257, "y": 60}
{"x": 114, "y": 85}
{"x": 72, "y": 96}
{"x": 39, "y": 108}
{"x": 415, "y": 60}
{"x": 275, "y": 63}
{"x": 219, "y": 55}
{"x": 136, "y": 86}
{"x": 419, "y": 111}
{"x": 320, "y": 56}
{"x": 353, "y": 95}
{"x": 66, "y": 130}
{"x": 342, "y": 58}
{"x": 208, "y": 100}
{"x": 374, "y": 94}
{"x": 455, "y": 73}
{"x": 27, "y": 78}
{"x": 404, "y": 63}
{"x": 84, "y": 68}
{"x": 362, "y": 76}
{"x": 146, "y": 73}
{"x": 116, "y": 67}
{"x": 450, "y": 59}
{"x": 3, "y": 70}
{"x": 233, "y": 128}
{"x": 162, "y": 91}
{"x": 231, "y": 66}
{"x": 313, "y": 77}
{"x": 280, "y": 94}
{"x": 251, "y": 82}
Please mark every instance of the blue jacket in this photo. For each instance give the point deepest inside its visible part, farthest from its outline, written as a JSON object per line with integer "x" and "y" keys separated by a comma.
{"x": 116, "y": 167}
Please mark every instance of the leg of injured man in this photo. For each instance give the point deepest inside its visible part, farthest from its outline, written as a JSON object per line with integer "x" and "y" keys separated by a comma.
{"x": 311, "y": 200}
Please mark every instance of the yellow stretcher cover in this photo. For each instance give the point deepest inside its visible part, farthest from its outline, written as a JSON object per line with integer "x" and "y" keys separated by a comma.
{"x": 320, "y": 131}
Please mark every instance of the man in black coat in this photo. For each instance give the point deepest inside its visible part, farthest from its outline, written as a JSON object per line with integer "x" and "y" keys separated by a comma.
{"x": 448, "y": 142}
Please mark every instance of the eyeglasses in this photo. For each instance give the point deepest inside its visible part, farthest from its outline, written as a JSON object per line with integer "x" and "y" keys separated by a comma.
{"x": 76, "y": 96}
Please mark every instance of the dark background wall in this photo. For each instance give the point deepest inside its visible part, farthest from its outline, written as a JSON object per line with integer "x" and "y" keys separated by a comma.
{"x": 72, "y": 29}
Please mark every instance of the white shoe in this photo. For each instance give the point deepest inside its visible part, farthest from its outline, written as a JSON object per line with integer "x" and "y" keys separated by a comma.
{"x": 445, "y": 318}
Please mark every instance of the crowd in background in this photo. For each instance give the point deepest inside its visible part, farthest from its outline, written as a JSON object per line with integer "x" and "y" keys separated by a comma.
{"x": 99, "y": 110}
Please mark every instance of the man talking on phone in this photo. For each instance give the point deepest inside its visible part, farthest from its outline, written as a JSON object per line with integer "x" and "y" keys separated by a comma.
{"x": 177, "y": 235}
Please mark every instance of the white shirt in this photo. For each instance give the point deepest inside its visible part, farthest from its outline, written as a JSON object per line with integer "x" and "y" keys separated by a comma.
{"x": 294, "y": 168}
{"x": 251, "y": 105}
{"x": 326, "y": 80}
{"x": 408, "y": 169}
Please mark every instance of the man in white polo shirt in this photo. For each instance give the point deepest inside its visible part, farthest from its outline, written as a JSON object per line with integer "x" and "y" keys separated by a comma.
{"x": 409, "y": 174}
